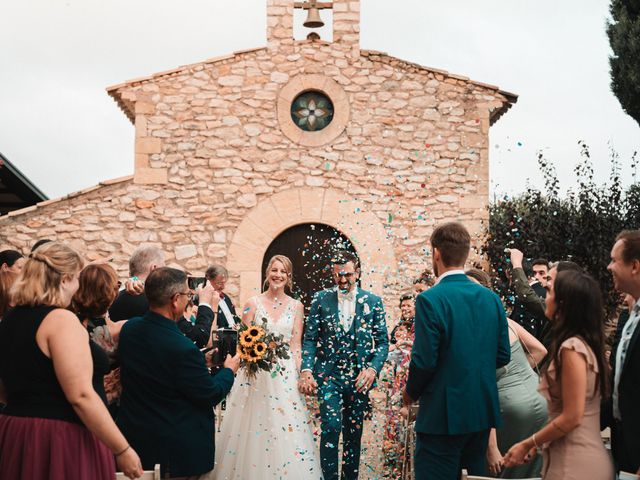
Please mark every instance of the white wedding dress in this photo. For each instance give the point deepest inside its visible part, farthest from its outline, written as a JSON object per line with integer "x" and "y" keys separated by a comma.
{"x": 266, "y": 428}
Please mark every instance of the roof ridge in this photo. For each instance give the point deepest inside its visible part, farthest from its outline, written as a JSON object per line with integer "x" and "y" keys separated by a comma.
{"x": 182, "y": 68}
{"x": 84, "y": 191}
{"x": 127, "y": 108}
{"x": 512, "y": 97}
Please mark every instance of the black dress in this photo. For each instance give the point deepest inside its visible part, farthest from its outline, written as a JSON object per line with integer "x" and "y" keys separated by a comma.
{"x": 41, "y": 436}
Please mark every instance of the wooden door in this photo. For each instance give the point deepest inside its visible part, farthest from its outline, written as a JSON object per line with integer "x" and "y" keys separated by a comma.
{"x": 310, "y": 247}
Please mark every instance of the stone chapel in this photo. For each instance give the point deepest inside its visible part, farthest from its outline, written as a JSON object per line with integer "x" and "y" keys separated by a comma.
{"x": 293, "y": 147}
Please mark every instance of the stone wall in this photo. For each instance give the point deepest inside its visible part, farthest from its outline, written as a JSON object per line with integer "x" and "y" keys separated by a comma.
{"x": 209, "y": 148}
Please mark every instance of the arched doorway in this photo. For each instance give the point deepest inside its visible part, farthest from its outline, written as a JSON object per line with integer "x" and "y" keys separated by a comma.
{"x": 276, "y": 213}
{"x": 310, "y": 247}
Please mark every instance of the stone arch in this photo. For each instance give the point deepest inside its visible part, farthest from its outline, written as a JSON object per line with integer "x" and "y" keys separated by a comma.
{"x": 291, "y": 207}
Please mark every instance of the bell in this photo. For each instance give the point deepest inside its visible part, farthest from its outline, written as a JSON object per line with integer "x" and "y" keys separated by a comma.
{"x": 313, "y": 19}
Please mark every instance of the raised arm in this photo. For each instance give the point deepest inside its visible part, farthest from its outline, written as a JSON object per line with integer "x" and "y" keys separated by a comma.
{"x": 200, "y": 333}
{"x": 529, "y": 298}
{"x": 62, "y": 338}
{"x": 296, "y": 335}
{"x": 525, "y": 293}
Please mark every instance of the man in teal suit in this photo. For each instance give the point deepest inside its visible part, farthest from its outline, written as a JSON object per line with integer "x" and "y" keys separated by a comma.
{"x": 168, "y": 395}
{"x": 345, "y": 345}
{"x": 461, "y": 337}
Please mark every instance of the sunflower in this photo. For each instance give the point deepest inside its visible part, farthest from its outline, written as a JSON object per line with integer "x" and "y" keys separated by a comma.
{"x": 255, "y": 332}
{"x": 246, "y": 339}
{"x": 252, "y": 356}
{"x": 260, "y": 349}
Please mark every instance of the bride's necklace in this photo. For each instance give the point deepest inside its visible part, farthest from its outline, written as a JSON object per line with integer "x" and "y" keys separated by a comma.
{"x": 275, "y": 303}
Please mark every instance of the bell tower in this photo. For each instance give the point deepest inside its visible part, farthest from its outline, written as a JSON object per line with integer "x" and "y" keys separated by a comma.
{"x": 346, "y": 21}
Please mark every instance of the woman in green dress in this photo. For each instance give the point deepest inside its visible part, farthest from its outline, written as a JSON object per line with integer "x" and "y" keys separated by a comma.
{"x": 523, "y": 409}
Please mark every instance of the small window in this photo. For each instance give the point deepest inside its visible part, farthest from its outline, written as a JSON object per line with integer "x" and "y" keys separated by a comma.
{"x": 312, "y": 111}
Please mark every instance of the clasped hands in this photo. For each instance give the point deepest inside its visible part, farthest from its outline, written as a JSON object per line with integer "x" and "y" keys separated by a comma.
{"x": 307, "y": 384}
{"x": 520, "y": 453}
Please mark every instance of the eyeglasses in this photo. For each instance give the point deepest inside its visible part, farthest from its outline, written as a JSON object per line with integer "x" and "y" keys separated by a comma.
{"x": 188, "y": 294}
{"x": 345, "y": 274}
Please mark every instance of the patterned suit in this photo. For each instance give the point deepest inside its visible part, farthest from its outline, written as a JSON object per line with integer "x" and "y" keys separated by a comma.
{"x": 336, "y": 353}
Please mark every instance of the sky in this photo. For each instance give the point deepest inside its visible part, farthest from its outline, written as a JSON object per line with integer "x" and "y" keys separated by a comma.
{"x": 62, "y": 130}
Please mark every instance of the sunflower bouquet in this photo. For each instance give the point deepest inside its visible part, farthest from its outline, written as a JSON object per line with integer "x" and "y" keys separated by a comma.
{"x": 261, "y": 349}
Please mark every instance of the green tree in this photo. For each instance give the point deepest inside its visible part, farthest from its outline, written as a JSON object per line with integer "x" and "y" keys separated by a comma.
{"x": 624, "y": 37}
{"x": 580, "y": 226}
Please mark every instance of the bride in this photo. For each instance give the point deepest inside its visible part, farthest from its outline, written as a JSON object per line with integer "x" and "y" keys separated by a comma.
{"x": 266, "y": 429}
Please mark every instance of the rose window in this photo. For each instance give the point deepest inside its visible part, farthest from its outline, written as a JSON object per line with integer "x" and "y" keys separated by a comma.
{"x": 312, "y": 111}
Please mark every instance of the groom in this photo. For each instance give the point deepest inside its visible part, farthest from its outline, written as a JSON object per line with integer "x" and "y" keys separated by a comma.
{"x": 345, "y": 345}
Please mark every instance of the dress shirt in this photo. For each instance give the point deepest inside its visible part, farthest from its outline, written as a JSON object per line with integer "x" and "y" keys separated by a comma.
{"x": 450, "y": 272}
{"x": 231, "y": 322}
{"x": 621, "y": 353}
{"x": 347, "y": 308}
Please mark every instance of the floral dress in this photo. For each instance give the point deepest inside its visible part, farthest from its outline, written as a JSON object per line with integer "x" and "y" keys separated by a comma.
{"x": 394, "y": 429}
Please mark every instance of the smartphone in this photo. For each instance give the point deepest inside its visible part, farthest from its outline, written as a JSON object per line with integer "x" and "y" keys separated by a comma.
{"x": 227, "y": 344}
{"x": 195, "y": 282}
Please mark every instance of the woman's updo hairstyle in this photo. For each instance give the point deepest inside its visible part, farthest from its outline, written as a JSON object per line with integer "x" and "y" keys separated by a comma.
{"x": 41, "y": 278}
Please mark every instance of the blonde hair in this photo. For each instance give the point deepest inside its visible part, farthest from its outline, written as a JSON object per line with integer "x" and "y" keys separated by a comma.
{"x": 288, "y": 266}
{"x": 41, "y": 278}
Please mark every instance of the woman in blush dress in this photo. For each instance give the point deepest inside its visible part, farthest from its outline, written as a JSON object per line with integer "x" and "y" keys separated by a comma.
{"x": 266, "y": 429}
{"x": 573, "y": 383}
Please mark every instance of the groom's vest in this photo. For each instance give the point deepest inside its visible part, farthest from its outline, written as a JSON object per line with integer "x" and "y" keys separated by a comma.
{"x": 346, "y": 351}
